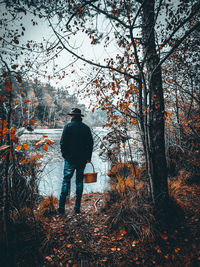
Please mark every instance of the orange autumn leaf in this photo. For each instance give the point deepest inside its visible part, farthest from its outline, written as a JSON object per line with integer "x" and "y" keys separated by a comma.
{"x": 123, "y": 232}
{"x": 25, "y": 146}
{"x": 5, "y": 74}
{"x": 2, "y": 99}
{"x": 37, "y": 144}
{"x": 16, "y": 41}
{"x": 19, "y": 79}
{"x": 93, "y": 42}
{"x": 14, "y": 138}
{"x": 27, "y": 101}
{"x": 23, "y": 162}
{"x": 14, "y": 66}
{"x": 48, "y": 141}
{"x": 177, "y": 250}
{"x": 158, "y": 250}
{"x": 165, "y": 237}
{"x": 8, "y": 86}
{"x": 45, "y": 147}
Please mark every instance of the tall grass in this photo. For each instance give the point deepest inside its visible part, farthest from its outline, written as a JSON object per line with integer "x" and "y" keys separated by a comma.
{"x": 127, "y": 204}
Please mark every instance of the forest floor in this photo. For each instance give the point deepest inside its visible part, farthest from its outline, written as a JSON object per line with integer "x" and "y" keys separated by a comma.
{"x": 86, "y": 239}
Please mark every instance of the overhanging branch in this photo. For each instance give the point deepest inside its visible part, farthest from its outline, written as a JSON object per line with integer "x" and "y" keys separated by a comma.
{"x": 89, "y": 61}
{"x": 110, "y": 16}
{"x": 196, "y": 26}
{"x": 195, "y": 9}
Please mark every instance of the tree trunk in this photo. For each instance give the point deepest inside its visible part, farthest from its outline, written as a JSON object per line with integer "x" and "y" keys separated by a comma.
{"x": 6, "y": 192}
{"x": 144, "y": 133}
{"x": 157, "y": 160}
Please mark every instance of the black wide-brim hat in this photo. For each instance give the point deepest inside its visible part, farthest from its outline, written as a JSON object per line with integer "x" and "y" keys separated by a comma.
{"x": 76, "y": 112}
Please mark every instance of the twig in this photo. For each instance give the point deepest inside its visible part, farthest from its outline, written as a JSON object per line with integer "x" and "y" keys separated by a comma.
{"x": 95, "y": 205}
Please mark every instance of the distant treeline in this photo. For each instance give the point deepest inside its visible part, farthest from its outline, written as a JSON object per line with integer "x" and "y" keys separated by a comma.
{"x": 41, "y": 105}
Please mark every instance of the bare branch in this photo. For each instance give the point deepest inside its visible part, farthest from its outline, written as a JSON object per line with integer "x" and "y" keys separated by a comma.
{"x": 73, "y": 15}
{"x": 89, "y": 61}
{"x": 110, "y": 16}
{"x": 187, "y": 92}
{"x": 137, "y": 14}
{"x": 195, "y": 9}
{"x": 196, "y": 26}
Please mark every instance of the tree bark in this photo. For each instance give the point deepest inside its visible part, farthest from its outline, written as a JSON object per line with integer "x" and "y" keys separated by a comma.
{"x": 6, "y": 188}
{"x": 157, "y": 159}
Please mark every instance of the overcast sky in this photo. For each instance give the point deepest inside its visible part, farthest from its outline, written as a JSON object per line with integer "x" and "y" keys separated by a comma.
{"x": 42, "y": 32}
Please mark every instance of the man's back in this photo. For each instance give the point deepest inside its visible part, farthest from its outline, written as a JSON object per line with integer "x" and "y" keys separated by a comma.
{"x": 76, "y": 142}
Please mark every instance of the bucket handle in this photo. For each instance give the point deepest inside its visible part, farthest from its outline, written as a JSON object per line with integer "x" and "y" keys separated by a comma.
{"x": 92, "y": 166}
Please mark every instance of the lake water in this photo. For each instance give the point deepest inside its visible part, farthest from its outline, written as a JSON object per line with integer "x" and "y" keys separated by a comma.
{"x": 52, "y": 175}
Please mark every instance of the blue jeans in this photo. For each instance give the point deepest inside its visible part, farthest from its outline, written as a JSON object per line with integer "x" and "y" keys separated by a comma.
{"x": 65, "y": 190}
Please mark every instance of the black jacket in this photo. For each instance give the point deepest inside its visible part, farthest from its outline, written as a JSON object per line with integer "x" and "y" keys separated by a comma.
{"x": 76, "y": 142}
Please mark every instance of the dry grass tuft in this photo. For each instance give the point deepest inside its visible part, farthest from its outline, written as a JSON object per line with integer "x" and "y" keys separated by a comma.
{"x": 186, "y": 196}
{"x": 129, "y": 210}
{"x": 47, "y": 207}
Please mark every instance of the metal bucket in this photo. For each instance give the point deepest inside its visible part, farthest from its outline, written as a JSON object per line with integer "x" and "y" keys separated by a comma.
{"x": 90, "y": 177}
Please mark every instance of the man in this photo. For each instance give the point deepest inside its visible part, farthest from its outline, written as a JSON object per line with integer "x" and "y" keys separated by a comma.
{"x": 76, "y": 147}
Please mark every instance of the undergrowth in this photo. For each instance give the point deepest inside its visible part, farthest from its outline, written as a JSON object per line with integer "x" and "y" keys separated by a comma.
{"x": 129, "y": 209}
